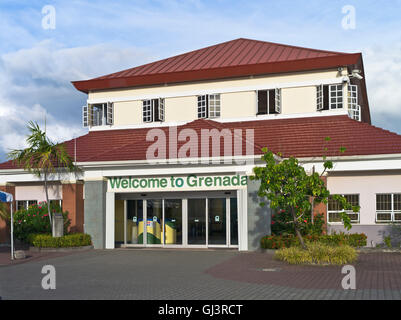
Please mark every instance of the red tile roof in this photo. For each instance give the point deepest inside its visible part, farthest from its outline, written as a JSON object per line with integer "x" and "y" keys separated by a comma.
{"x": 236, "y": 58}
{"x": 298, "y": 137}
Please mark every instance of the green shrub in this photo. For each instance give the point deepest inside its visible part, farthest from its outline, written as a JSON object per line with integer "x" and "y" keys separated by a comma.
{"x": 282, "y": 224}
{"x": 70, "y": 240}
{"x": 35, "y": 220}
{"x": 387, "y": 241}
{"x": 317, "y": 253}
{"x": 356, "y": 240}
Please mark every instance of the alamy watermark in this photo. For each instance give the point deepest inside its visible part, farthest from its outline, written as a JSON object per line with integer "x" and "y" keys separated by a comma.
{"x": 204, "y": 146}
{"x": 349, "y": 20}
{"x": 349, "y": 281}
{"x": 49, "y": 280}
{"x": 49, "y": 17}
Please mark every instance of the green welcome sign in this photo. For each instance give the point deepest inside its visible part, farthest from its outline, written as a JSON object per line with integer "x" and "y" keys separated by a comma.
{"x": 189, "y": 182}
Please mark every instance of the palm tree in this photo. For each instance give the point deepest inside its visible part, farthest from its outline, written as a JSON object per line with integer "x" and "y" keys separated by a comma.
{"x": 43, "y": 158}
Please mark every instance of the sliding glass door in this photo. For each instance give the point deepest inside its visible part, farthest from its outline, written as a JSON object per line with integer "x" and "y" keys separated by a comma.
{"x": 172, "y": 227}
{"x": 217, "y": 228}
{"x": 203, "y": 222}
{"x": 197, "y": 221}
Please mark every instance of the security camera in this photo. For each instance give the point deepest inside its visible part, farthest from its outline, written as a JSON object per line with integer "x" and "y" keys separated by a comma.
{"x": 357, "y": 74}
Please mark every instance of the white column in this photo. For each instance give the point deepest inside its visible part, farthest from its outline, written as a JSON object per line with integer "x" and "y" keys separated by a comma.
{"x": 242, "y": 197}
{"x": 110, "y": 219}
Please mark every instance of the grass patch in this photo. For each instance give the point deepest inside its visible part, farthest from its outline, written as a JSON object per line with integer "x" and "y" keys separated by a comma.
{"x": 318, "y": 253}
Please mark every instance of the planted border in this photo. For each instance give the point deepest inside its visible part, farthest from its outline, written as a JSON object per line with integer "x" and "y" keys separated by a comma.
{"x": 356, "y": 240}
{"x": 67, "y": 241}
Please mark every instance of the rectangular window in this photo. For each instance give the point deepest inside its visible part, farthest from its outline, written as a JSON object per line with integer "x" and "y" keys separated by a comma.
{"x": 388, "y": 207}
{"x": 329, "y": 97}
{"x": 58, "y": 203}
{"x": 269, "y": 101}
{"x": 153, "y": 110}
{"x": 97, "y": 114}
{"x": 21, "y": 205}
{"x": 334, "y": 209}
{"x": 24, "y": 204}
{"x": 209, "y": 106}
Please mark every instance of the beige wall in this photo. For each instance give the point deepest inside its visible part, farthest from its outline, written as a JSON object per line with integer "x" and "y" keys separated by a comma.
{"x": 181, "y": 109}
{"x": 240, "y": 104}
{"x": 209, "y": 85}
{"x": 367, "y": 187}
{"x": 127, "y": 113}
{"x": 298, "y": 100}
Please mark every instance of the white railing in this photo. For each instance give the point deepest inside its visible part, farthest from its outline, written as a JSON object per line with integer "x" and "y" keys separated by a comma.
{"x": 338, "y": 216}
{"x": 383, "y": 216}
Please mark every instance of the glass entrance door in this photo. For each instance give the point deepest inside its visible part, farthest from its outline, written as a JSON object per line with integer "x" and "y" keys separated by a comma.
{"x": 134, "y": 222}
{"x": 209, "y": 221}
{"x": 217, "y": 228}
{"x": 197, "y": 221}
{"x": 154, "y": 217}
{"x": 172, "y": 226}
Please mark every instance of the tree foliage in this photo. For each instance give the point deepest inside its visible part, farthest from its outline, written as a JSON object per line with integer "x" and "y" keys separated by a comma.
{"x": 287, "y": 186}
{"x": 42, "y": 157}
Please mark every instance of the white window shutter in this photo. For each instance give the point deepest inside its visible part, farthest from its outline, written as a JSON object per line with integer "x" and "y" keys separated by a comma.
{"x": 109, "y": 113}
{"x": 161, "y": 109}
{"x": 85, "y": 121}
{"x": 147, "y": 110}
{"x": 87, "y": 116}
{"x": 277, "y": 100}
{"x": 319, "y": 97}
{"x": 352, "y": 96}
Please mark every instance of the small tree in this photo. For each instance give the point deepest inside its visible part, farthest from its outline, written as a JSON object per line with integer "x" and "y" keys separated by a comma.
{"x": 287, "y": 186}
{"x": 43, "y": 158}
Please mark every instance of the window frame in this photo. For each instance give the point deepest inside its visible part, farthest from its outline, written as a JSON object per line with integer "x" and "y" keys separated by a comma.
{"x": 26, "y": 204}
{"x": 149, "y": 114}
{"x": 209, "y": 106}
{"x": 276, "y": 99}
{"x": 104, "y": 114}
{"x": 349, "y": 212}
{"x": 328, "y": 89}
{"x": 392, "y": 212}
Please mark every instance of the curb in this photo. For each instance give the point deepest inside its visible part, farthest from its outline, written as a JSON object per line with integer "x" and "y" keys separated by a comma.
{"x": 377, "y": 250}
{"x": 68, "y": 249}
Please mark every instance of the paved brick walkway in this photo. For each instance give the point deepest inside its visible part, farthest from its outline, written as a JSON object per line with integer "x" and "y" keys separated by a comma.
{"x": 373, "y": 271}
{"x": 5, "y": 256}
{"x": 190, "y": 274}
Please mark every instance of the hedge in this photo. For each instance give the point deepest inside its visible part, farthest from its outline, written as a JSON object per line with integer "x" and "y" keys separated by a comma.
{"x": 318, "y": 253}
{"x": 70, "y": 240}
{"x": 355, "y": 240}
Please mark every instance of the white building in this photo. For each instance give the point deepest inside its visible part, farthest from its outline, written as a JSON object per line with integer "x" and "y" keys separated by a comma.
{"x": 171, "y": 144}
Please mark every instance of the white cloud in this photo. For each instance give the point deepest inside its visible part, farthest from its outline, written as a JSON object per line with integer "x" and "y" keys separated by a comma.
{"x": 14, "y": 118}
{"x": 383, "y": 73}
{"x": 35, "y": 82}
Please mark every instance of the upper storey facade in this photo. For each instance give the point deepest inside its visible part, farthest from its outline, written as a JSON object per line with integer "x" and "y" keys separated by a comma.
{"x": 236, "y": 80}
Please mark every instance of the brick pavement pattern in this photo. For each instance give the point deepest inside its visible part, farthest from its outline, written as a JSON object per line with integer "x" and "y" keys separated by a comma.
{"x": 196, "y": 274}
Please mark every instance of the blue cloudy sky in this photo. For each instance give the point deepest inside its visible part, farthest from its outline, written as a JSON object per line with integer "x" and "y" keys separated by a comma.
{"x": 93, "y": 38}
